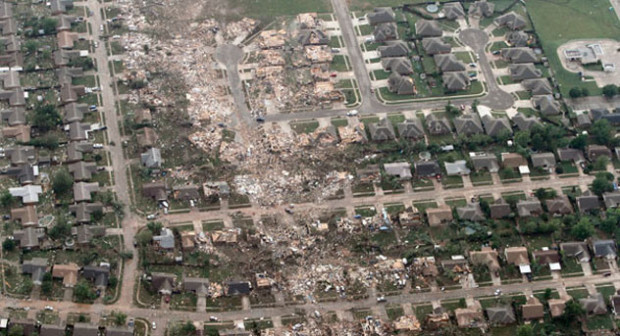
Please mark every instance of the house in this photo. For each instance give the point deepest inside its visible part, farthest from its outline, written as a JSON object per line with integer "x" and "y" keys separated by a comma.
{"x": 155, "y": 190}
{"x": 148, "y": 138}
{"x": 78, "y": 131}
{"x": 577, "y": 250}
{"x": 559, "y": 206}
{"x": 481, "y": 8}
{"x": 544, "y": 160}
{"x": 97, "y": 274}
{"x": 82, "y": 170}
{"x": 529, "y": 207}
{"x": 382, "y": 130}
{"x": 612, "y": 118}
{"x": 537, "y": 86}
{"x": 74, "y": 112}
{"x": 611, "y": 199}
{"x": 83, "y": 211}
{"x": 524, "y": 123}
{"x": 455, "y": 80}
{"x": 76, "y": 150}
{"x": 151, "y": 158}
{"x": 234, "y": 332}
{"x": 165, "y": 239}
{"x": 615, "y": 304}
{"x": 402, "y": 85}
{"x": 513, "y": 160}
{"x": 594, "y": 304}
{"x": 410, "y": 217}
{"x": 435, "y": 45}
{"x": 532, "y": 309}
{"x": 458, "y": 167}
{"x": 85, "y": 233}
{"x": 238, "y": 288}
{"x": 25, "y": 174}
{"x": 453, "y": 10}
{"x": 511, "y": 20}
{"x": 556, "y": 307}
{"x": 411, "y": 129}
{"x": 604, "y": 248}
{"x": 517, "y": 38}
{"x": 394, "y": 49}
{"x": 487, "y": 256}
{"x": 308, "y": 37}
{"x": 519, "y": 55}
{"x": 583, "y": 120}
{"x": 401, "y": 170}
{"x": 438, "y": 125}
{"x": 60, "y": 6}
{"x": 470, "y": 317}
{"x": 385, "y": 32}
{"x": 426, "y": 169}
{"x": 71, "y": 93}
{"x": 163, "y": 283}
{"x": 65, "y": 22}
{"x": 186, "y": 192}
{"x": 547, "y": 105}
{"x": 595, "y": 151}
{"x": 188, "y": 241}
{"x": 85, "y": 329}
{"x": 66, "y": 39}
{"x": 468, "y": 124}
{"x": 588, "y": 202}
{"x": 519, "y": 72}
{"x": 14, "y": 116}
{"x": 28, "y": 193}
{"x": 52, "y": 330}
{"x": 485, "y": 162}
{"x": 500, "y": 209}
{"x": 448, "y": 62}
{"x": 67, "y": 272}
{"x": 496, "y": 126}
{"x": 548, "y": 257}
{"x": 28, "y": 326}
{"x": 598, "y": 113}
{"x": 14, "y": 97}
{"x": 82, "y": 190}
{"x": 199, "y": 286}
{"x": 439, "y": 216}
{"x": 399, "y": 65}
{"x": 501, "y": 315}
{"x": 381, "y": 15}
{"x": 118, "y": 331}
{"x": 27, "y": 215}
{"x": 517, "y": 255}
{"x": 29, "y": 238}
{"x": 427, "y": 28}
{"x": 570, "y": 154}
{"x": 471, "y": 212}
{"x": 36, "y": 267}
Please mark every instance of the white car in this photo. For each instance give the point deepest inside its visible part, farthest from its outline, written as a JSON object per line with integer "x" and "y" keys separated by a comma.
{"x": 50, "y": 308}
{"x": 153, "y": 325}
{"x": 352, "y": 113}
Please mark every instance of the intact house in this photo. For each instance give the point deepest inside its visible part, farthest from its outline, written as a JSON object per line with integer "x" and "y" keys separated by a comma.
{"x": 439, "y": 216}
{"x": 528, "y": 208}
{"x": 588, "y": 202}
{"x": 36, "y": 267}
{"x": 519, "y": 257}
{"x": 427, "y": 169}
{"x": 470, "y": 212}
{"x": 578, "y": 250}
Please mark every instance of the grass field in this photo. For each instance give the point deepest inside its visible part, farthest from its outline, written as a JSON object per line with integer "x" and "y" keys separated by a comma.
{"x": 588, "y": 19}
{"x": 268, "y": 10}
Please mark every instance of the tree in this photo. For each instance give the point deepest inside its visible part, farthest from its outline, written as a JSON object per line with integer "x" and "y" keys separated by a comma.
{"x": 6, "y": 199}
{"x": 600, "y": 163}
{"x": 542, "y": 193}
{"x": 119, "y": 318}
{"x": 575, "y": 92}
{"x": 609, "y": 91}
{"x": 573, "y": 310}
{"x": 62, "y": 229}
{"x": 525, "y": 330}
{"x": 62, "y": 182}
{"x": 602, "y": 132}
{"x": 83, "y": 292}
{"x": 547, "y": 294}
{"x": 8, "y": 245}
{"x": 579, "y": 142}
{"x": 46, "y": 284}
{"x": 46, "y": 117}
{"x": 154, "y": 227}
{"x": 144, "y": 237}
{"x": 16, "y": 330}
{"x": 48, "y": 25}
{"x": 31, "y": 46}
{"x": 452, "y": 110}
{"x": 522, "y": 138}
{"x": 602, "y": 183}
{"x": 186, "y": 329}
{"x": 583, "y": 229}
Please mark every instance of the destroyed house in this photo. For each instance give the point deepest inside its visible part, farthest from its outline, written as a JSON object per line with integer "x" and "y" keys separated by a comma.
{"x": 381, "y": 15}
{"x": 186, "y": 192}
{"x": 402, "y": 85}
{"x": 394, "y": 49}
{"x": 97, "y": 274}
{"x": 385, "y": 32}
{"x": 519, "y": 55}
{"x": 148, "y": 138}
{"x": 438, "y": 125}
{"x": 482, "y": 8}
{"x": 36, "y": 267}
{"x": 453, "y": 10}
{"x": 401, "y": 170}
{"x": 411, "y": 129}
{"x": 427, "y": 28}
{"x": 471, "y": 212}
{"x": 448, "y": 62}
{"x": 470, "y": 317}
{"x": 435, "y": 45}
{"x": 312, "y": 37}
{"x": 519, "y": 72}
{"x": 468, "y": 124}
{"x": 455, "y": 80}
{"x": 238, "y": 288}
{"x": 511, "y": 20}
{"x": 163, "y": 283}
{"x": 382, "y": 130}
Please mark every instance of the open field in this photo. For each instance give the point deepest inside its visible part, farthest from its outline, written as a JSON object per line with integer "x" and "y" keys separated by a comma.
{"x": 267, "y": 10}
{"x": 589, "y": 19}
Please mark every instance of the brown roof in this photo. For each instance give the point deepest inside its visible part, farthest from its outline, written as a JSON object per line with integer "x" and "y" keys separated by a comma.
{"x": 148, "y": 138}
{"x": 513, "y": 160}
{"x": 533, "y": 309}
{"x": 546, "y": 257}
{"x": 68, "y": 273}
{"x": 19, "y": 132}
{"x": 517, "y": 255}
{"x": 66, "y": 39}
{"x": 26, "y": 215}
{"x": 486, "y": 256}
{"x": 436, "y": 216}
{"x": 556, "y": 307}
{"x": 470, "y": 316}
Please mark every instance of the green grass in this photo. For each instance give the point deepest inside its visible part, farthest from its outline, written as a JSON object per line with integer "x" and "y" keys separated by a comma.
{"x": 268, "y": 10}
{"x": 579, "y": 293}
{"x": 381, "y": 74}
{"x": 600, "y": 322}
{"x": 394, "y": 312}
{"x": 588, "y": 20}
{"x": 464, "y": 57}
{"x": 339, "y": 122}
{"x": 338, "y": 63}
{"x": 305, "y": 127}
{"x": 422, "y": 311}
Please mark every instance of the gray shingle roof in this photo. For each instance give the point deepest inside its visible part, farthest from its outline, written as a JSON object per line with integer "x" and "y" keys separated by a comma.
{"x": 394, "y": 49}
{"x": 385, "y": 32}
{"x": 427, "y": 168}
{"x": 527, "y": 208}
{"x": 611, "y": 199}
{"x": 400, "y": 169}
{"x": 488, "y": 162}
{"x": 382, "y": 130}
{"x": 438, "y": 126}
{"x": 402, "y": 85}
{"x": 501, "y": 315}
{"x": 468, "y": 124}
{"x": 411, "y": 129}
{"x": 545, "y": 160}
{"x": 457, "y": 168}
{"x": 570, "y": 154}
{"x": 427, "y": 28}
{"x": 482, "y": 8}
{"x": 470, "y": 212}
{"x": 151, "y": 158}
{"x": 455, "y": 80}
{"x": 448, "y": 62}
{"x": 517, "y": 38}
{"x": 537, "y": 86}
{"x": 511, "y": 20}
{"x": 435, "y": 45}
{"x": 520, "y": 72}
{"x": 495, "y": 126}
{"x": 594, "y": 304}
{"x": 524, "y": 123}
{"x": 381, "y": 15}
{"x": 453, "y": 10}
{"x": 400, "y": 65}
{"x": 546, "y": 104}
{"x": 519, "y": 55}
